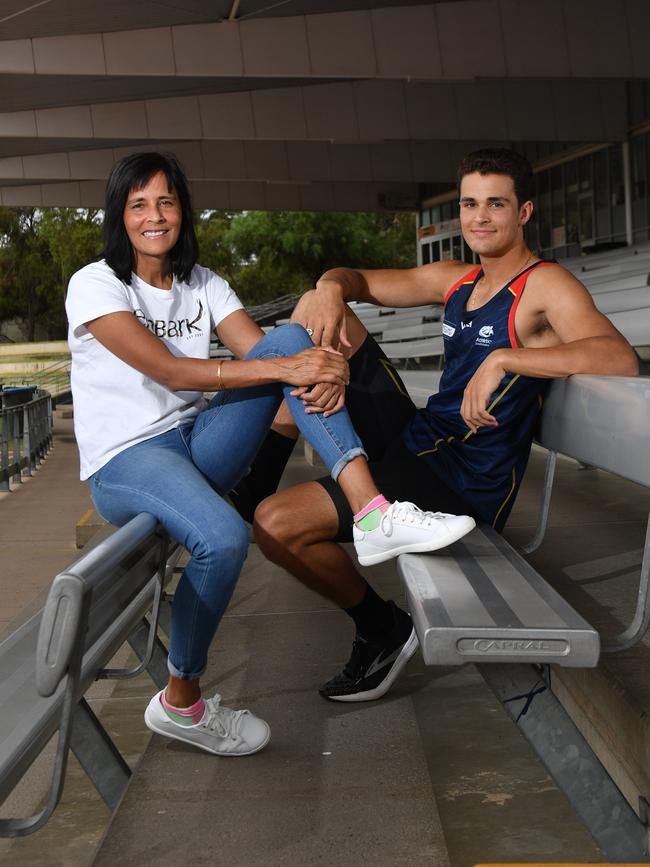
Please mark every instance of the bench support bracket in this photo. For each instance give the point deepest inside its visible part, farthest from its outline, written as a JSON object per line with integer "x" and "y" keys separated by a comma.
{"x": 161, "y": 573}
{"x": 569, "y": 759}
{"x": 641, "y": 620}
{"x": 98, "y": 755}
{"x": 544, "y": 507}
{"x": 157, "y": 662}
{"x": 22, "y": 827}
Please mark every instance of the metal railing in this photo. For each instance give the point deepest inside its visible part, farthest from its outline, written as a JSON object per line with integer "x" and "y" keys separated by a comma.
{"x": 25, "y": 437}
{"x": 55, "y": 378}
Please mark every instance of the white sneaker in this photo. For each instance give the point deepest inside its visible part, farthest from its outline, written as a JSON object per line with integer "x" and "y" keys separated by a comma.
{"x": 406, "y": 529}
{"x": 222, "y": 731}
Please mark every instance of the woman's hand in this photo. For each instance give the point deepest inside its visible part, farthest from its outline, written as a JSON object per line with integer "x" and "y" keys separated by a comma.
{"x": 325, "y": 397}
{"x": 313, "y": 366}
{"x": 322, "y": 312}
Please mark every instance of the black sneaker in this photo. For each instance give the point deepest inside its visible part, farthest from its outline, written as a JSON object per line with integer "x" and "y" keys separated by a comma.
{"x": 374, "y": 665}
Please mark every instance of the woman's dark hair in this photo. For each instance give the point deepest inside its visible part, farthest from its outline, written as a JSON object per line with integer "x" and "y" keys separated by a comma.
{"x": 500, "y": 161}
{"x": 133, "y": 173}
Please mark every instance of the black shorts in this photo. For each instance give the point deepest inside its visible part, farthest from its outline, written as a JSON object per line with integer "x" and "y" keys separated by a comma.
{"x": 380, "y": 409}
{"x": 376, "y": 399}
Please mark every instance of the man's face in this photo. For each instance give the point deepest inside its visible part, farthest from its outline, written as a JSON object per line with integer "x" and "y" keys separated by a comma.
{"x": 490, "y": 216}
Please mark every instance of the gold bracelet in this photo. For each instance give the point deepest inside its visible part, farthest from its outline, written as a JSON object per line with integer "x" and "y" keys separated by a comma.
{"x": 219, "y": 379}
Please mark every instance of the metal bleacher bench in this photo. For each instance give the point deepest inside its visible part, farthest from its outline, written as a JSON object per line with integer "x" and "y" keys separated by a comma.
{"x": 46, "y": 665}
{"x": 480, "y": 601}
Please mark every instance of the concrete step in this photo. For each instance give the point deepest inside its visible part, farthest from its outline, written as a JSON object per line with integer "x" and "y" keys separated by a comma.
{"x": 613, "y": 719}
{"x": 339, "y": 784}
{"x": 89, "y": 524}
{"x": 438, "y": 751}
{"x": 49, "y": 348}
{"x": 592, "y": 555}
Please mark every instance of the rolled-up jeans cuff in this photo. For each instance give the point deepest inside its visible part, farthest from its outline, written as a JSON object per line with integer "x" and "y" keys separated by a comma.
{"x": 181, "y": 675}
{"x": 344, "y": 460}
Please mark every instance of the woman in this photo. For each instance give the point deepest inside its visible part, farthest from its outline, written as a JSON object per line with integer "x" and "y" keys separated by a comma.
{"x": 140, "y": 325}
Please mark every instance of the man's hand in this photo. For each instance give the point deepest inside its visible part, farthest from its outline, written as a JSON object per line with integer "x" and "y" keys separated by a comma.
{"x": 323, "y": 313}
{"x": 478, "y": 392}
{"x": 325, "y": 397}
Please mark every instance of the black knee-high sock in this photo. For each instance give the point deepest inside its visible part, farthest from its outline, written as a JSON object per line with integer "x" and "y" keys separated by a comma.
{"x": 373, "y": 616}
{"x": 264, "y": 476}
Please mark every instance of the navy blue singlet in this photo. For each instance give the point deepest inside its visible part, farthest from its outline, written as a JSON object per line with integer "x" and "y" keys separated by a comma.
{"x": 485, "y": 468}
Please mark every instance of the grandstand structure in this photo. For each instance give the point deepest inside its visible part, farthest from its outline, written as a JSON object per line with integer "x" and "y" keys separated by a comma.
{"x": 331, "y": 104}
{"x": 362, "y": 105}
{"x": 337, "y": 105}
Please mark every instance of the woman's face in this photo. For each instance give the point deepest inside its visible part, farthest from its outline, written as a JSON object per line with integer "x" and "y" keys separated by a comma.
{"x": 152, "y": 219}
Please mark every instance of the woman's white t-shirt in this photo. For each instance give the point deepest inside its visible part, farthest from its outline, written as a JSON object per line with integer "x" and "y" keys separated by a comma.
{"x": 116, "y": 406}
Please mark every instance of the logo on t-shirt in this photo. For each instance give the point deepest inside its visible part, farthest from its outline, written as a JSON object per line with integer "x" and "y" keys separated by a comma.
{"x": 173, "y": 328}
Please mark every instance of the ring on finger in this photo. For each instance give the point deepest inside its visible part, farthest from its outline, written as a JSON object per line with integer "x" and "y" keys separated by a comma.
{"x": 309, "y": 331}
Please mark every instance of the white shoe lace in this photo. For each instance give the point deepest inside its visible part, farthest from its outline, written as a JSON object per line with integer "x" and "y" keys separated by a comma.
{"x": 222, "y": 721}
{"x": 408, "y": 513}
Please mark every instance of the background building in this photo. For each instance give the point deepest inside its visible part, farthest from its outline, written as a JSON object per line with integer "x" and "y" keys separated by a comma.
{"x": 333, "y": 104}
{"x": 588, "y": 198}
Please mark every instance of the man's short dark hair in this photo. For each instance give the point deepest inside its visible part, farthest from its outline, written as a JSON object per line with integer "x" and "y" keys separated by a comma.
{"x": 500, "y": 161}
{"x": 133, "y": 172}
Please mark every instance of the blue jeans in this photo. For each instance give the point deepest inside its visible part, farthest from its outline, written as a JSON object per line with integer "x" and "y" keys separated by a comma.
{"x": 181, "y": 477}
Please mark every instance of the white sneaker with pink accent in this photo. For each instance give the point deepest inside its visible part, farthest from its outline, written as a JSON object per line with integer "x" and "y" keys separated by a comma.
{"x": 404, "y": 529}
{"x": 221, "y": 731}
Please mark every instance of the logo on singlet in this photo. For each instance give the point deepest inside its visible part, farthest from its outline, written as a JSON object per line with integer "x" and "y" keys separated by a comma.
{"x": 464, "y": 325}
{"x": 448, "y": 330}
{"x": 485, "y": 335}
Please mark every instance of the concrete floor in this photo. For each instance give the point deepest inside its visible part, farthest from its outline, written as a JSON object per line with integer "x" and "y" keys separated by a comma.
{"x": 434, "y": 774}
{"x": 37, "y": 525}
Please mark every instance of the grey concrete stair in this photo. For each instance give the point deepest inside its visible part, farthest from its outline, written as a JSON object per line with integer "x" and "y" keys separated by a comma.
{"x": 339, "y": 784}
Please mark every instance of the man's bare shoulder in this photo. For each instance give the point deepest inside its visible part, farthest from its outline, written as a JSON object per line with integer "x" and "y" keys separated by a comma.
{"x": 550, "y": 279}
{"x": 444, "y": 274}
{"x": 551, "y": 273}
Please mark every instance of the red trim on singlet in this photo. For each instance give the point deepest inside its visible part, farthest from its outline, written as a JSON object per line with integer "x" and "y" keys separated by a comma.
{"x": 468, "y": 278}
{"x": 517, "y": 288}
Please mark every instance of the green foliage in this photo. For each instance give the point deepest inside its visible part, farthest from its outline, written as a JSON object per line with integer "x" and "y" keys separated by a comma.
{"x": 73, "y": 237}
{"x": 216, "y": 252}
{"x": 26, "y": 267}
{"x": 262, "y": 255}
{"x": 39, "y": 251}
{"x": 287, "y": 251}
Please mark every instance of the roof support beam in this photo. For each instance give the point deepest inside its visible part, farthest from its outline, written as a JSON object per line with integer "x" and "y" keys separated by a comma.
{"x": 273, "y": 161}
{"x": 437, "y": 41}
{"x": 366, "y": 111}
{"x": 242, "y": 195}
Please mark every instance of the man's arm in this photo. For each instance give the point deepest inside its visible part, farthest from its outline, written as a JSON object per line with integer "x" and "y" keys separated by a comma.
{"x": 323, "y": 309}
{"x": 562, "y": 333}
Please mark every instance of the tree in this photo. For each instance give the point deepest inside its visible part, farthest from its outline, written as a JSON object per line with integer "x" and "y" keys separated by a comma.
{"x": 288, "y": 250}
{"x": 39, "y": 252}
{"x": 73, "y": 237}
{"x": 216, "y": 252}
{"x": 28, "y": 289}
{"x": 263, "y": 255}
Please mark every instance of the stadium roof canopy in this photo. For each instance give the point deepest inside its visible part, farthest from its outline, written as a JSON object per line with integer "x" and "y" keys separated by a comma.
{"x": 313, "y": 104}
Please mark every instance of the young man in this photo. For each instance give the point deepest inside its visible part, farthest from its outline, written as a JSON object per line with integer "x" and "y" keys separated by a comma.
{"x": 510, "y": 326}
